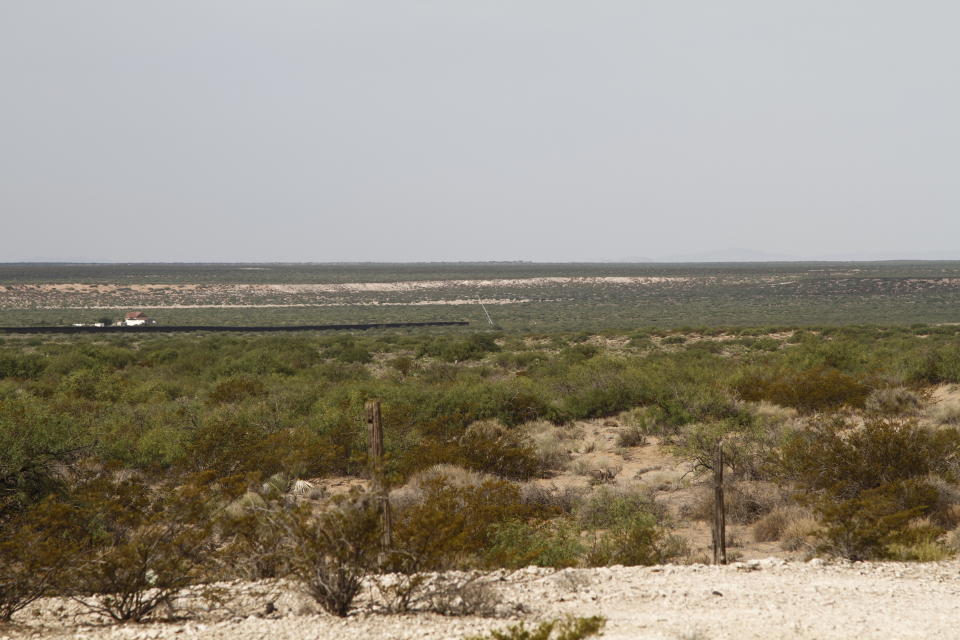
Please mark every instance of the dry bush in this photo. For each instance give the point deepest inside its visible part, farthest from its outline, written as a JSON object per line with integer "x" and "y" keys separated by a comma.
{"x": 774, "y": 525}
{"x": 647, "y": 421}
{"x": 893, "y": 401}
{"x": 951, "y": 540}
{"x": 600, "y": 470}
{"x": 569, "y": 628}
{"x": 551, "y": 499}
{"x": 34, "y": 556}
{"x": 752, "y": 500}
{"x": 143, "y": 544}
{"x": 253, "y": 542}
{"x": 469, "y": 594}
{"x": 631, "y": 437}
{"x": 946, "y": 511}
{"x": 334, "y": 552}
{"x": 664, "y": 480}
{"x": 929, "y": 546}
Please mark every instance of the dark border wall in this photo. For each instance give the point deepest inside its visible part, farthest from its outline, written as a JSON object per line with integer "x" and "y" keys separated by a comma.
{"x": 188, "y": 328}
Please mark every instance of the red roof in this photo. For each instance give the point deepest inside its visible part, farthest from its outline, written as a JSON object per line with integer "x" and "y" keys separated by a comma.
{"x": 136, "y": 315}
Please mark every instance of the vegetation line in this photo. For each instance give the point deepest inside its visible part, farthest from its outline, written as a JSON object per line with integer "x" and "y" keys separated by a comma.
{"x": 261, "y": 328}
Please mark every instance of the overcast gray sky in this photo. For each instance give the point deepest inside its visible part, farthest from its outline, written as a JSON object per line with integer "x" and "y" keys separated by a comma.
{"x": 322, "y": 130}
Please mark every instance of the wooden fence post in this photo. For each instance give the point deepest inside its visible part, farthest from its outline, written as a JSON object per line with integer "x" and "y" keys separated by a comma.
{"x": 719, "y": 509}
{"x": 378, "y": 483}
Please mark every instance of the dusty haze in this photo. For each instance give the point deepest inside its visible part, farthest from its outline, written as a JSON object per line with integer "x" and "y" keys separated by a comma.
{"x": 447, "y": 130}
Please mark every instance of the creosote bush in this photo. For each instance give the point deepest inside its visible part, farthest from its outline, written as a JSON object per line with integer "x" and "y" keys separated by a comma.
{"x": 140, "y": 545}
{"x": 816, "y": 389}
{"x": 869, "y": 484}
{"x": 334, "y": 552}
{"x": 34, "y": 555}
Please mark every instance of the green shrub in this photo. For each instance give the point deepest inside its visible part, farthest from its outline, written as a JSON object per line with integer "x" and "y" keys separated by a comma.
{"x": 869, "y": 484}
{"x": 142, "y": 545}
{"x": 637, "y": 540}
{"x": 36, "y": 440}
{"x": 237, "y": 389}
{"x": 606, "y": 507}
{"x": 810, "y": 390}
{"x": 349, "y": 351}
{"x": 516, "y": 544}
{"x": 834, "y": 456}
{"x": 473, "y": 347}
{"x": 21, "y": 365}
{"x": 451, "y": 526}
{"x": 491, "y": 448}
{"x": 34, "y": 555}
{"x": 875, "y": 523}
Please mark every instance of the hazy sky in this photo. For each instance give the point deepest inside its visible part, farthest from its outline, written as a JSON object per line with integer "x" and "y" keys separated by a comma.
{"x": 182, "y": 130}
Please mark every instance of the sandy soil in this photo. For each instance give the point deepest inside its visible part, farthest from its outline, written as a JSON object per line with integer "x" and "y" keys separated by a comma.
{"x": 347, "y": 287}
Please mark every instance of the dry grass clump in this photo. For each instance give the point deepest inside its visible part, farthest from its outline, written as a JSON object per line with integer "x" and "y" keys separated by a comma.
{"x": 745, "y": 502}
{"x": 893, "y": 401}
{"x": 600, "y": 469}
{"x": 552, "y": 445}
{"x": 945, "y": 413}
{"x": 775, "y": 524}
{"x": 551, "y": 499}
{"x": 951, "y": 540}
{"x": 799, "y": 534}
{"x": 664, "y": 480}
{"x": 448, "y": 474}
{"x": 769, "y": 414}
{"x": 631, "y": 436}
{"x": 646, "y": 421}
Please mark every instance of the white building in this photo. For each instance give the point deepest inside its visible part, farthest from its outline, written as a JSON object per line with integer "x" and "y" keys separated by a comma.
{"x": 136, "y": 318}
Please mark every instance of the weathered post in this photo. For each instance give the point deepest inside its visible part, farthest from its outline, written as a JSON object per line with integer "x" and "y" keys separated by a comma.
{"x": 719, "y": 509}
{"x": 378, "y": 482}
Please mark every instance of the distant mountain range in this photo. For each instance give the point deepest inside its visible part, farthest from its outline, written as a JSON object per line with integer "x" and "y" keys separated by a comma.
{"x": 750, "y": 255}
{"x": 715, "y": 255}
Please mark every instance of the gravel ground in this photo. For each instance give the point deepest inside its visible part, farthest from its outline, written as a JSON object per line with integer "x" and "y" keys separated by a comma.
{"x": 766, "y": 599}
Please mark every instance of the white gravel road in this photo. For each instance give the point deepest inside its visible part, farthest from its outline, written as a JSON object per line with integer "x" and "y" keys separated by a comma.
{"x": 766, "y": 599}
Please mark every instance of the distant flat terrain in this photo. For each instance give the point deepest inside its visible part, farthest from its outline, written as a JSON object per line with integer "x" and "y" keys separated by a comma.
{"x": 520, "y": 296}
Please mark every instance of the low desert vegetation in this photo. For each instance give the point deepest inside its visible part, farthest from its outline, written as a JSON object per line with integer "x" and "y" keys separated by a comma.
{"x": 571, "y": 628}
{"x": 131, "y": 468}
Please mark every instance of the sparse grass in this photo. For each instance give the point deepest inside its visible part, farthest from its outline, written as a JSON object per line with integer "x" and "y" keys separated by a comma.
{"x": 570, "y": 628}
